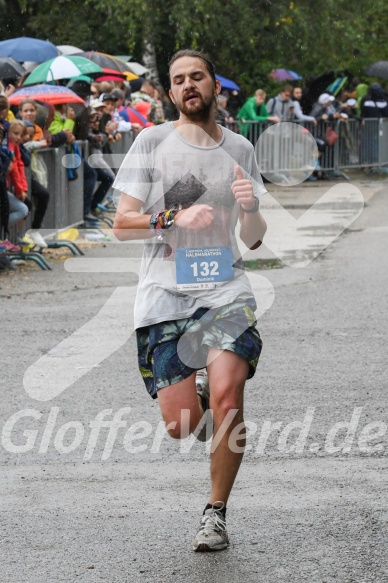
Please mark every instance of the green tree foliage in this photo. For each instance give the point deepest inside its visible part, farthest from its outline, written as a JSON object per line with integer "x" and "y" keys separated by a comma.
{"x": 245, "y": 38}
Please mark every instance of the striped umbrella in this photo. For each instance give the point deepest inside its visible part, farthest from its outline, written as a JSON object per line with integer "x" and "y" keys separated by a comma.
{"x": 62, "y": 67}
{"x": 53, "y": 94}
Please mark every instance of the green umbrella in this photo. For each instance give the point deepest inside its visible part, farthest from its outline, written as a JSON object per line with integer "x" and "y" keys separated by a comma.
{"x": 62, "y": 67}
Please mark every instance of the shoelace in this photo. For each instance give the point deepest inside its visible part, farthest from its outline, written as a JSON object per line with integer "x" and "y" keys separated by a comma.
{"x": 211, "y": 522}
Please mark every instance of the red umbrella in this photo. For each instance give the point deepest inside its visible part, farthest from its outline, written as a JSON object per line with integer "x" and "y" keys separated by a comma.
{"x": 110, "y": 75}
{"x": 109, "y": 78}
{"x": 53, "y": 94}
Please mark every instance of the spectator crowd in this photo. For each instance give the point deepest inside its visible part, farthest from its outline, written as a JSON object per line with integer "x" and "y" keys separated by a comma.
{"x": 110, "y": 110}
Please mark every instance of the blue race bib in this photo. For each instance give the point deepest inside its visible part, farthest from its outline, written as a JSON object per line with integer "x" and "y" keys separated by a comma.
{"x": 203, "y": 267}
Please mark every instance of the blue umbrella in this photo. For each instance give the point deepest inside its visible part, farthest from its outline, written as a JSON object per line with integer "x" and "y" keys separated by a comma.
{"x": 28, "y": 49}
{"x": 227, "y": 83}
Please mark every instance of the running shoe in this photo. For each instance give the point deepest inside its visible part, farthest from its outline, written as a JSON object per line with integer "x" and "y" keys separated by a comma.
{"x": 10, "y": 246}
{"x": 202, "y": 387}
{"x": 37, "y": 238}
{"x": 105, "y": 209}
{"x": 212, "y": 534}
{"x": 91, "y": 219}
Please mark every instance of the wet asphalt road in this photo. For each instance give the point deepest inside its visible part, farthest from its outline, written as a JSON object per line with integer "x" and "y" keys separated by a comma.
{"x": 77, "y": 506}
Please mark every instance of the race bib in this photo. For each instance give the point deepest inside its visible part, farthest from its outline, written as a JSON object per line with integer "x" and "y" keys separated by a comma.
{"x": 203, "y": 267}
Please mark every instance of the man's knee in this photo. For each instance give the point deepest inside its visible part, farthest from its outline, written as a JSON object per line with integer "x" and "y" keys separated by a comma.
{"x": 226, "y": 399}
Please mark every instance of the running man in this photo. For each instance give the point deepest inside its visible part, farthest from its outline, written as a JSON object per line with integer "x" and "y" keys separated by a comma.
{"x": 185, "y": 185}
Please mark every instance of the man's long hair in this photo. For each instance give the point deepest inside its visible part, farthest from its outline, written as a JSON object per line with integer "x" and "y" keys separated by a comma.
{"x": 196, "y": 55}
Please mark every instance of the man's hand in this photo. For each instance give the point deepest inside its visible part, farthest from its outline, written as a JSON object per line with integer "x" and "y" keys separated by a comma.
{"x": 23, "y": 195}
{"x": 195, "y": 218}
{"x": 242, "y": 189}
{"x": 111, "y": 127}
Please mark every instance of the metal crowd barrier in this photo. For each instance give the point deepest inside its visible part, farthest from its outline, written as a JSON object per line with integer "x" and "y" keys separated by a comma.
{"x": 124, "y": 144}
{"x": 361, "y": 143}
{"x": 66, "y": 205}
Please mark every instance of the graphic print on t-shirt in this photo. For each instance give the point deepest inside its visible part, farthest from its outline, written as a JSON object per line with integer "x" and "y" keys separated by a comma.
{"x": 186, "y": 191}
{"x": 199, "y": 179}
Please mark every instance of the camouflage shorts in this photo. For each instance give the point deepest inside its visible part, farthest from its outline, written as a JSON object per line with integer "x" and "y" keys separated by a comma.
{"x": 169, "y": 352}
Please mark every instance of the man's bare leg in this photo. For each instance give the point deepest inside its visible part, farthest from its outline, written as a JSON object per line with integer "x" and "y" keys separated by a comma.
{"x": 180, "y": 405}
{"x": 227, "y": 376}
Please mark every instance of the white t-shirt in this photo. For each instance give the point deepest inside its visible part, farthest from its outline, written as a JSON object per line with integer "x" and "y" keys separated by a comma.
{"x": 162, "y": 169}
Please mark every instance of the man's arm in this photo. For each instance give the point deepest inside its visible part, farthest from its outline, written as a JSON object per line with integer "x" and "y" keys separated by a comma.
{"x": 253, "y": 225}
{"x": 130, "y": 223}
{"x": 300, "y": 115}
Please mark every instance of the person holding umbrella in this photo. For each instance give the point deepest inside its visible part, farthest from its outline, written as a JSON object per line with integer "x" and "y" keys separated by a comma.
{"x": 41, "y": 196}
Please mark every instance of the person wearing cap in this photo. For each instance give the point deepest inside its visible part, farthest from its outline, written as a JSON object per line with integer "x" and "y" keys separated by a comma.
{"x": 350, "y": 108}
{"x": 107, "y": 124}
{"x": 324, "y": 108}
{"x": 120, "y": 113}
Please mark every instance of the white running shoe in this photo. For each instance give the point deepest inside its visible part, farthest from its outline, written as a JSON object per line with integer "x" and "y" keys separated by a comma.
{"x": 202, "y": 387}
{"x": 212, "y": 534}
{"x": 37, "y": 238}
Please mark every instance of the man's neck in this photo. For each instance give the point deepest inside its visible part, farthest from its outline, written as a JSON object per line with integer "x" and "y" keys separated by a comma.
{"x": 199, "y": 133}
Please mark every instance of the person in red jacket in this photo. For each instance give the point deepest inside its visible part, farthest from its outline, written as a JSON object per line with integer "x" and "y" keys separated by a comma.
{"x": 16, "y": 131}
{"x": 40, "y": 194}
{"x": 17, "y": 174}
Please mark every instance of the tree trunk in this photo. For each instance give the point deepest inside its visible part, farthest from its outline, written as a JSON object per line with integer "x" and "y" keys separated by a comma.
{"x": 149, "y": 60}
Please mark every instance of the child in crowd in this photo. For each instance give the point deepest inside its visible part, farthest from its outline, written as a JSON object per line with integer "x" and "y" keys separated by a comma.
{"x": 28, "y": 110}
{"x": 18, "y": 205}
{"x": 11, "y": 209}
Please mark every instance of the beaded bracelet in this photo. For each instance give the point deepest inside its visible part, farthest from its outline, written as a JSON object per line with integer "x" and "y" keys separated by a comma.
{"x": 164, "y": 219}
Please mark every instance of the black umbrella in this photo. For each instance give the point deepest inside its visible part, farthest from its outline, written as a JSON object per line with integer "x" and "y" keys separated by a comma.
{"x": 9, "y": 68}
{"x": 378, "y": 69}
